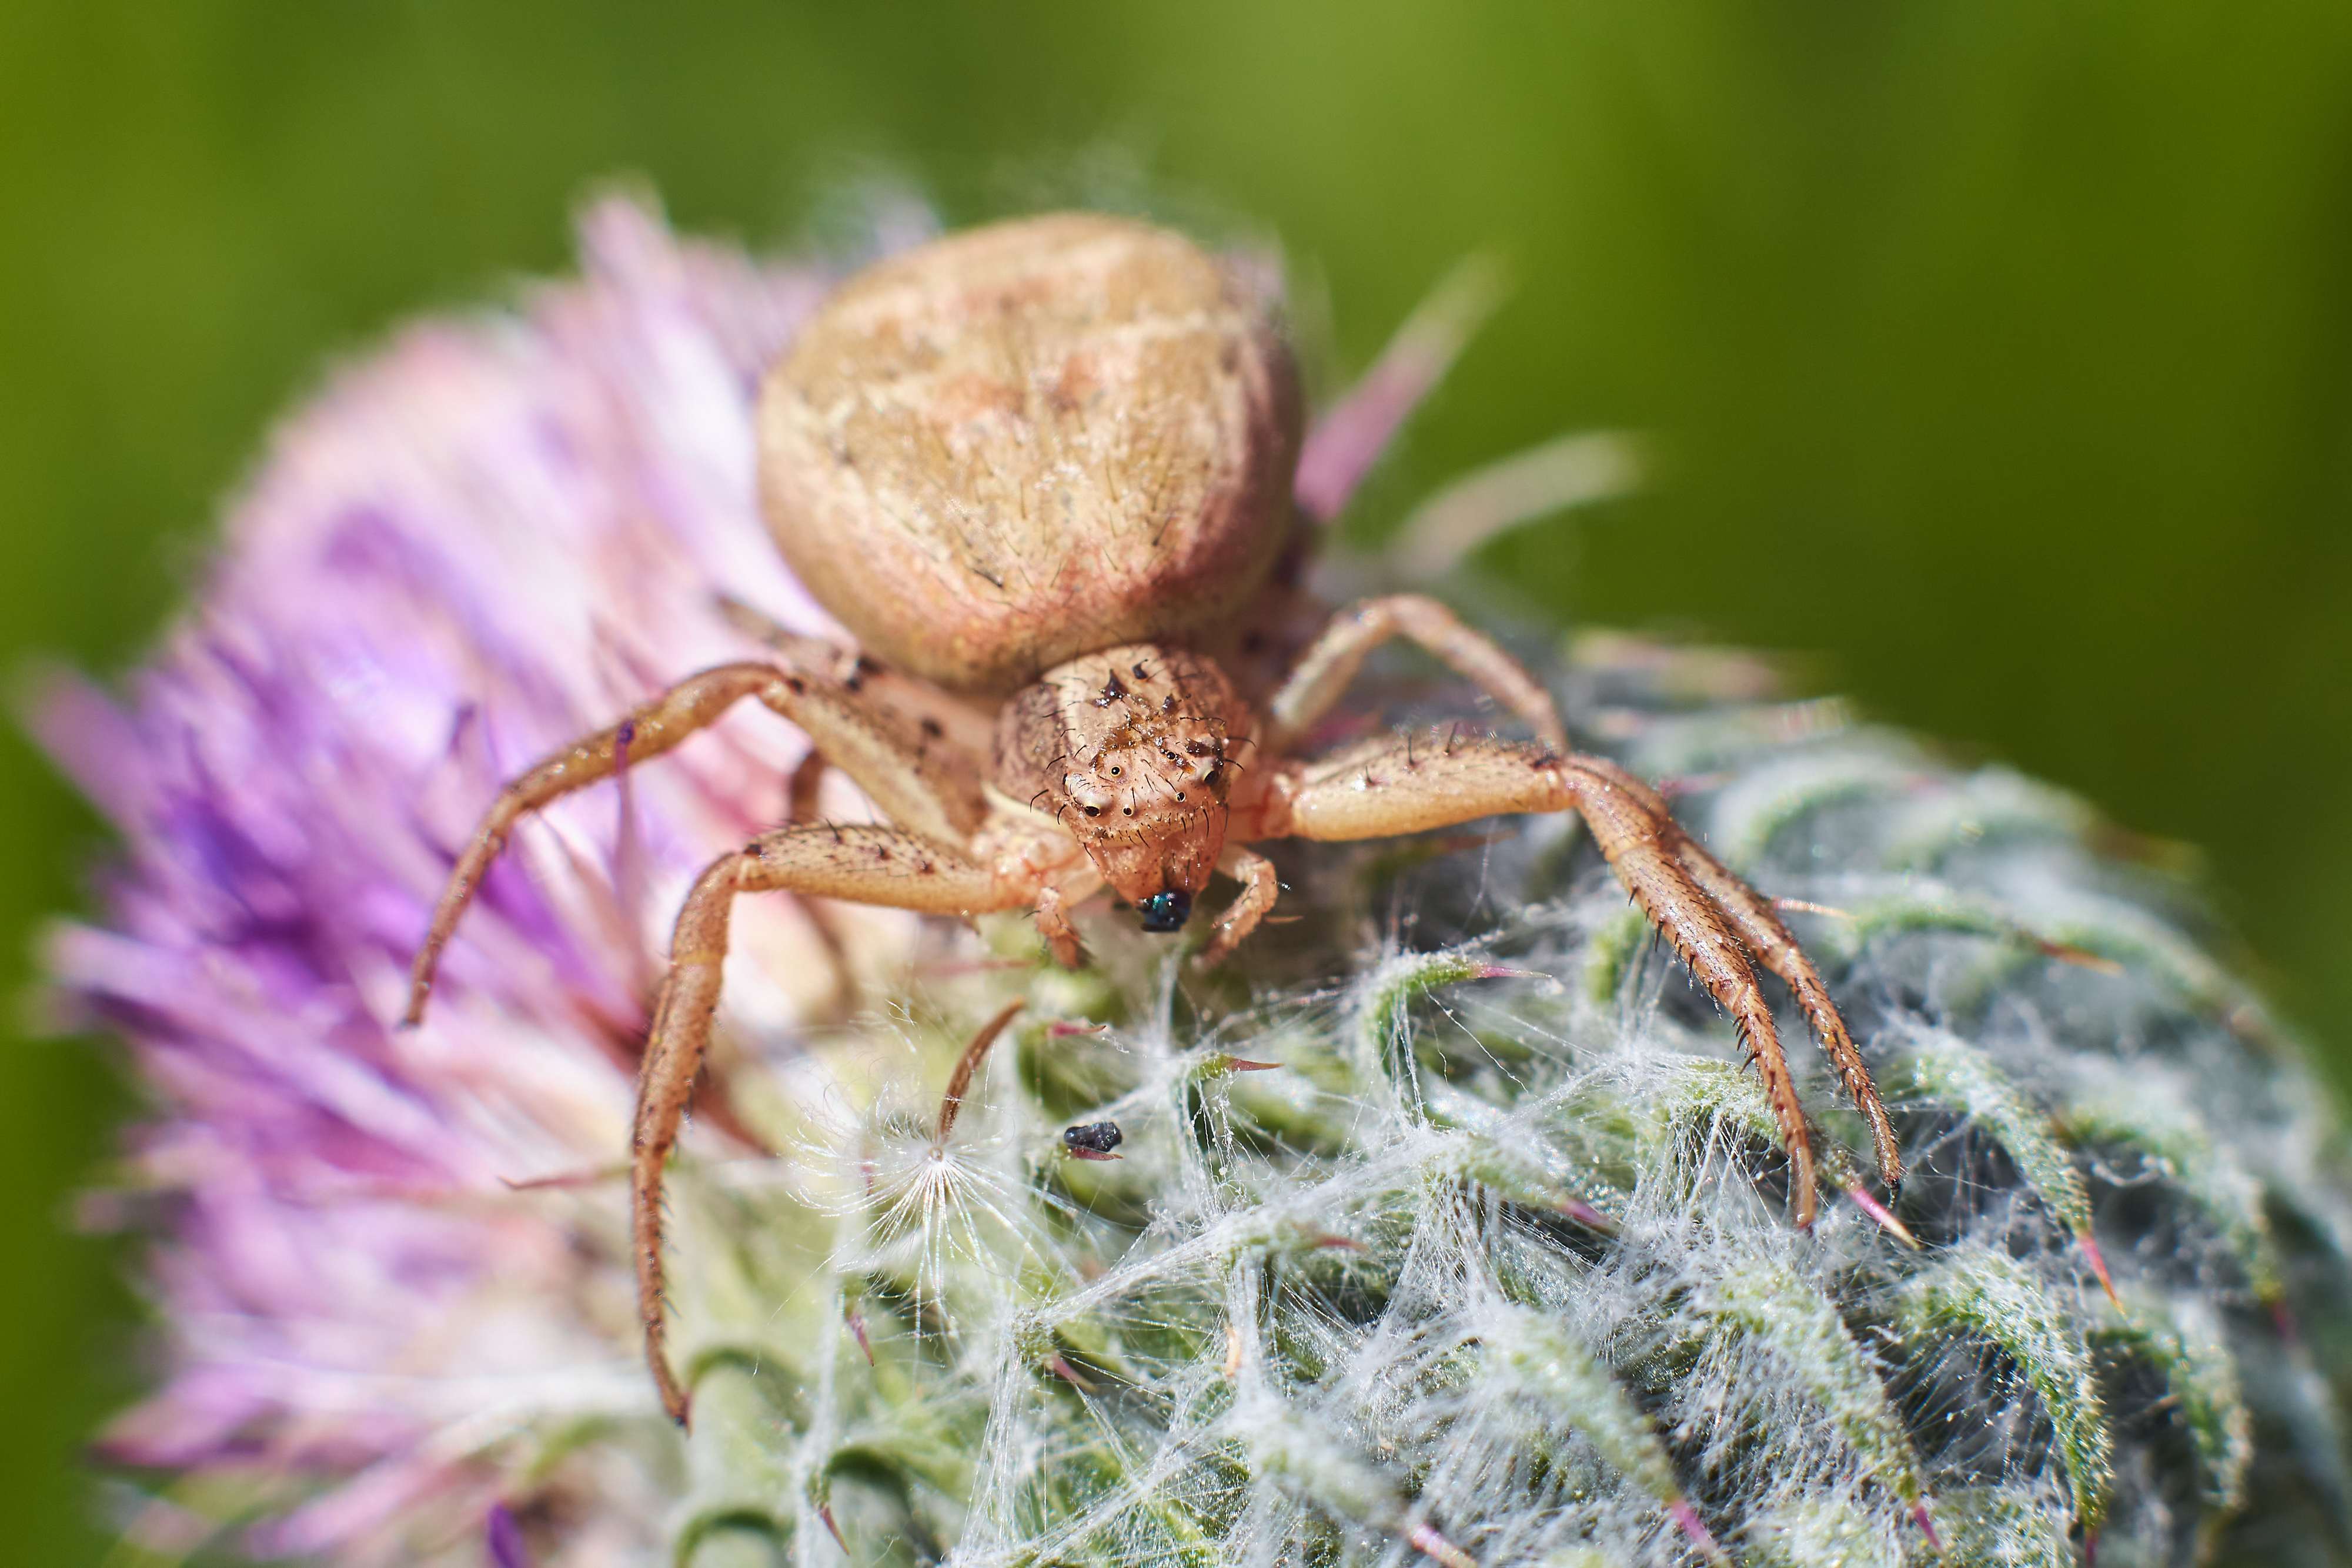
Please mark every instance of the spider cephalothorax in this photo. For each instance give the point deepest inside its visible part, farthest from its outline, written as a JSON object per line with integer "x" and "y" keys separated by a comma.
{"x": 1127, "y": 750}
{"x": 1051, "y": 459}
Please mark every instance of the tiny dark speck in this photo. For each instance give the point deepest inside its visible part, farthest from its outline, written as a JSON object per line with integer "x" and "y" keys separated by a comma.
{"x": 1093, "y": 1138}
{"x": 931, "y": 727}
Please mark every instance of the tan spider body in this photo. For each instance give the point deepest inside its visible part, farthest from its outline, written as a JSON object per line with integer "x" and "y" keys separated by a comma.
{"x": 1042, "y": 470}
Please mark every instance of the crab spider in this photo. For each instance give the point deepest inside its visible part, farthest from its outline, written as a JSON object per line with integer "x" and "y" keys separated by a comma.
{"x": 1042, "y": 470}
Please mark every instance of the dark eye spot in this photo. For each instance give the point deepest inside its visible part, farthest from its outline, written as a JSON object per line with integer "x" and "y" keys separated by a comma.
{"x": 1114, "y": 772}
{"x": 1094, "y": 810}
{"x": 1198, "y": 748}
{"x": 1127, "y": 810}
{"x": 1214, "y": 777}
{"x": 1179, "y": 794}
{"x": 1168, "y": 703}
{"x": 1140, "y": 674}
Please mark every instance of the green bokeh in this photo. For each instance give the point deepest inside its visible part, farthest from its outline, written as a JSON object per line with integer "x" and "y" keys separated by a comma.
{"x": 2001, "y": 353}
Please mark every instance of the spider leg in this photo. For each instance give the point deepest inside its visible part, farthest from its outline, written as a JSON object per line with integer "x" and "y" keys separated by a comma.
{"x": 866, "y": 865}
{"x": 917, "y": 778}
{"x": 801, "y": 807}
{"x": 801, "y": 788}
{"x": 1323, "y": 673}
{"x": 1750, "y": 913}
{"x": 1259, "y": 890}
{"x": 1761, "y": 930}
{"x": 1714, "y": 920}
{"x": 917, "y": 702}
{"x": 1061, "y": 937}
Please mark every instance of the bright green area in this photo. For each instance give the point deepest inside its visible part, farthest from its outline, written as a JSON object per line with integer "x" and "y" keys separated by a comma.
{"x": 2002, "y": 351}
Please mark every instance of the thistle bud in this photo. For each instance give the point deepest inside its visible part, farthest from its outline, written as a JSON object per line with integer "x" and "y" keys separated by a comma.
{"x": 1468, "y": 1242}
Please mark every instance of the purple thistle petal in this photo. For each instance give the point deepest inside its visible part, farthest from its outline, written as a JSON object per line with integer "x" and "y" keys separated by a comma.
{"x": 1927, "y": 1524}
{"x": 475, "y": 545}
{"x": 1342, "y": 447}
{"x": 503, "y": 1537}
{"x": 1693, "y": 1529}
{"x": 466, "y": 550}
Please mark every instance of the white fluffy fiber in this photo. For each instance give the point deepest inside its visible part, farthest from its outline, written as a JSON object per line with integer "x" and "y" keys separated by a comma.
{"x": 1492, "y": 1266}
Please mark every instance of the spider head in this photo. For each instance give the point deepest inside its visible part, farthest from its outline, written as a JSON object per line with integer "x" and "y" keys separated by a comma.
{"x": 1127, "y": 750}
{"x": 1152, "y": 830}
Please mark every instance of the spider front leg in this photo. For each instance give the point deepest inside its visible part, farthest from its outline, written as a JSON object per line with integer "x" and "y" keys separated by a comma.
{"x": 863, "y": 864}
{"x": 1714, "y": 920}
{"x": 914, "y": 776}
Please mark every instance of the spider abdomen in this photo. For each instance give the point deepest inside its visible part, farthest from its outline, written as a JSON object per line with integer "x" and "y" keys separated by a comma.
{"x": 1032, "y": 440}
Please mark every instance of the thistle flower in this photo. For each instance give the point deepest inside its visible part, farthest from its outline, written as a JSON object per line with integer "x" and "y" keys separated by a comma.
{"x": 1444, "y": 1228}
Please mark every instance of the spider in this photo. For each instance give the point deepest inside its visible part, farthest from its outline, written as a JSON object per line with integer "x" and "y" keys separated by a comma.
{"x": 1043, "y": 471}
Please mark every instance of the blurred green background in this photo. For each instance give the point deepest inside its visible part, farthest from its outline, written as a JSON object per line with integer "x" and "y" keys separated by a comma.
{"x": 2002, "y": 353}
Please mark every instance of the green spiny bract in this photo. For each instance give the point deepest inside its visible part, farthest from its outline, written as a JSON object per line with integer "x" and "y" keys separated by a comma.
{"x": 1444, "y": 1227}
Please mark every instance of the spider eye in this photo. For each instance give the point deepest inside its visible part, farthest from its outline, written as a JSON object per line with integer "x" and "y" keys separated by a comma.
{"x": 1166, "y": 911}
{"x": 1214, "y": 777}
{"x": 1094, "y": 810}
